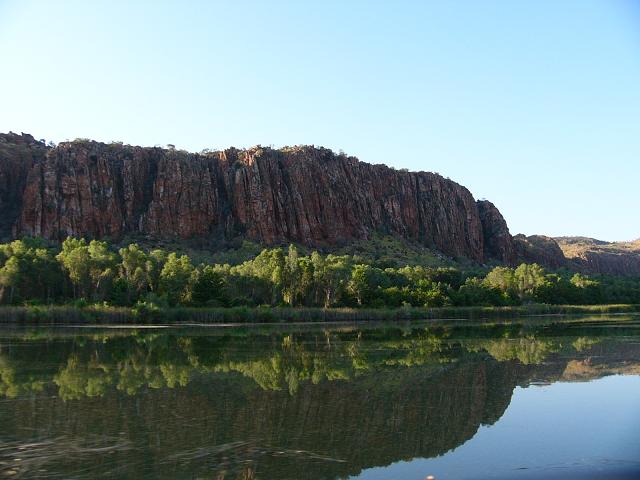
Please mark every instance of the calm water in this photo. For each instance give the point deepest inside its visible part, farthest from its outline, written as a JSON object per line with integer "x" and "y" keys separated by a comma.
{"x": 538, "y": 400}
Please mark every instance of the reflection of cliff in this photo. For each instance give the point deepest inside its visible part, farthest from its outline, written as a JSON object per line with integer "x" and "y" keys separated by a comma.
{"x": 372, "y": 420}
{"x": 192, "y": 415}
{"x": 603, "y": 361}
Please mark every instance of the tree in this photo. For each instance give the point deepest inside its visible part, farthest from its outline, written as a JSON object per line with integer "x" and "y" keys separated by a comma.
{"x": 588, "y": 290}
{"x": 29, "y": 272}
{"x": 90, "y": 267}
{"x": 75, "y": 260}
{"x": 156, "y": 261}
{"x": 136, "y": 269}
{"x": 292, "y": 276}
{"x": 10, "y": 278}
{"x": 363, "y": 281}
{"x": 502, "y": 278}
{"x": 319, "y": 266}
{"x": 528, "y": 278}
{"x": 334, "y": 277}
{"x": 102, "y": 267}
{"x": 206, "y": 287}
{"x": 174, "y": 277}
{"x": 476, "y": 292}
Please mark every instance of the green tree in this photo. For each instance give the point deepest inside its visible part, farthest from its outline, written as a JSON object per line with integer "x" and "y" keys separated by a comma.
{"x": 206, "y": 287}
{"x": 363, "y": 282}
{"x": 502, "y": 278}
{"x": 476, "y": 292}
{"x": 292, "y": 277}
{"x": 29, "y": 272}
{"x": 136, "y": 269}
{"x": 333, "y": 276}
{"x": 174, "y": 277}
{"x": 528, "y": 279}
{"x": 90, "y": 267}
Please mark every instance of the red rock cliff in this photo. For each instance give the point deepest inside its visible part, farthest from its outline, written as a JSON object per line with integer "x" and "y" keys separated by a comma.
{"x": 498, "y": 242}
{"x": 302, "y": 194}
{"x": 18, "y": 153}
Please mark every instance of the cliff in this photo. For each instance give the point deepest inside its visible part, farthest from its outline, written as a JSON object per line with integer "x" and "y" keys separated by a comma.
{"x": 596, "y": 256}
{"x": 539, "y": 249}
{"x": 498, "y": 242}
{"x": 302, "y": 194}
{"x": 18, "y": 153}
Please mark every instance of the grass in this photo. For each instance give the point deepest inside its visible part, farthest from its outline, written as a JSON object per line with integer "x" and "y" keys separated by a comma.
{"x": 123, "y": 315}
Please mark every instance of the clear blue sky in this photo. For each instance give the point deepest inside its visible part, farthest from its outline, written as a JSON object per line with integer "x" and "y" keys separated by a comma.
{"x": 533, "y": 105}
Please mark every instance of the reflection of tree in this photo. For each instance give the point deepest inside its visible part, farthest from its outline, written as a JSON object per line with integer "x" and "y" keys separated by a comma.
{"x": 83, "y": 379}
{"x": 91, "y": 365}
{"x": 12, "y": 384}
{"x": 8, "y": 385}
{"x": 583, "y": 343}
{"x": 528, "y": 350}
{"x": 273, "y": 404}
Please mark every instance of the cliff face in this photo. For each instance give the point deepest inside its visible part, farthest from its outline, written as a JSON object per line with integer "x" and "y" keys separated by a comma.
{"x": 595, "y": 256}
{"x": 303, "y": 194}
{"x": 18, "y": 153}
{"x": 539, "y": 249}
{"x": 498, "y": 242}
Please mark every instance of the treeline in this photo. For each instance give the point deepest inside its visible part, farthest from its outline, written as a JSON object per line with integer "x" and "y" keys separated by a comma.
{"x": 32, "y": 271}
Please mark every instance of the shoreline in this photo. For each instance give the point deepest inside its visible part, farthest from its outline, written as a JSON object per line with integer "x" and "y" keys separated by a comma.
{"x": 233, "y": 316}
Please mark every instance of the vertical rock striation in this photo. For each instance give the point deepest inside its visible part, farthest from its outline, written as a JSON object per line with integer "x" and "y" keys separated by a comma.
{"x": 302, "y": 194}
{"x": 498, "y": 242}
{"x": 18, "y": 153}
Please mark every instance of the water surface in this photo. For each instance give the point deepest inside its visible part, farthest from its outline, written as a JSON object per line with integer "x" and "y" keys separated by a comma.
{"x": 542, "y": 399}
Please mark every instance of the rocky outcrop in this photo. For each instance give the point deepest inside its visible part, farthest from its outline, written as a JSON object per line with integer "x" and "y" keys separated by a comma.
{"x": 596, "y": 256}
{"x": 18, "y": 153}
{"x": 302, "y": 194}
{"x": 539, "y": 249}
{"x": 580, "y": 254}
{"x": 498, "y": 242}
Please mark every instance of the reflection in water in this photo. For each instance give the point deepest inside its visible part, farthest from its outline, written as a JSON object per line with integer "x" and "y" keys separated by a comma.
{"x": 266, "y": 404}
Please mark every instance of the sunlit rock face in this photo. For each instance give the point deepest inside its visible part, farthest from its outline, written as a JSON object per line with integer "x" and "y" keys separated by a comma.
{"x": 597, "y": 256}
{"x": 303, "y": 194}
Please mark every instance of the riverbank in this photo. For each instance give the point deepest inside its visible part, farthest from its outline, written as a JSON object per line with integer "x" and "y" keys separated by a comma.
{"x": 123, "y": 315}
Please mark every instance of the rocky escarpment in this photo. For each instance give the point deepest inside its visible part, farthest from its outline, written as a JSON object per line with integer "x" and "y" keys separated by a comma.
{"x": 18, "y": 153}
{"x": 498, "y": 242}
{"x": 596, "y": 256}
{"x": 539, "y": 249}
{"x": 303, "y": 194}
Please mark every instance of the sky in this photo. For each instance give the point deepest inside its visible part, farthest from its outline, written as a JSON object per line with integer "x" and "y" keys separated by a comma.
{"x": 533, "y": 105}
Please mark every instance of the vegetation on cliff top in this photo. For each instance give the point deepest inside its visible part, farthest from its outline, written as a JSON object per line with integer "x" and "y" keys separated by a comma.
{"x": 33, "y": 272}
